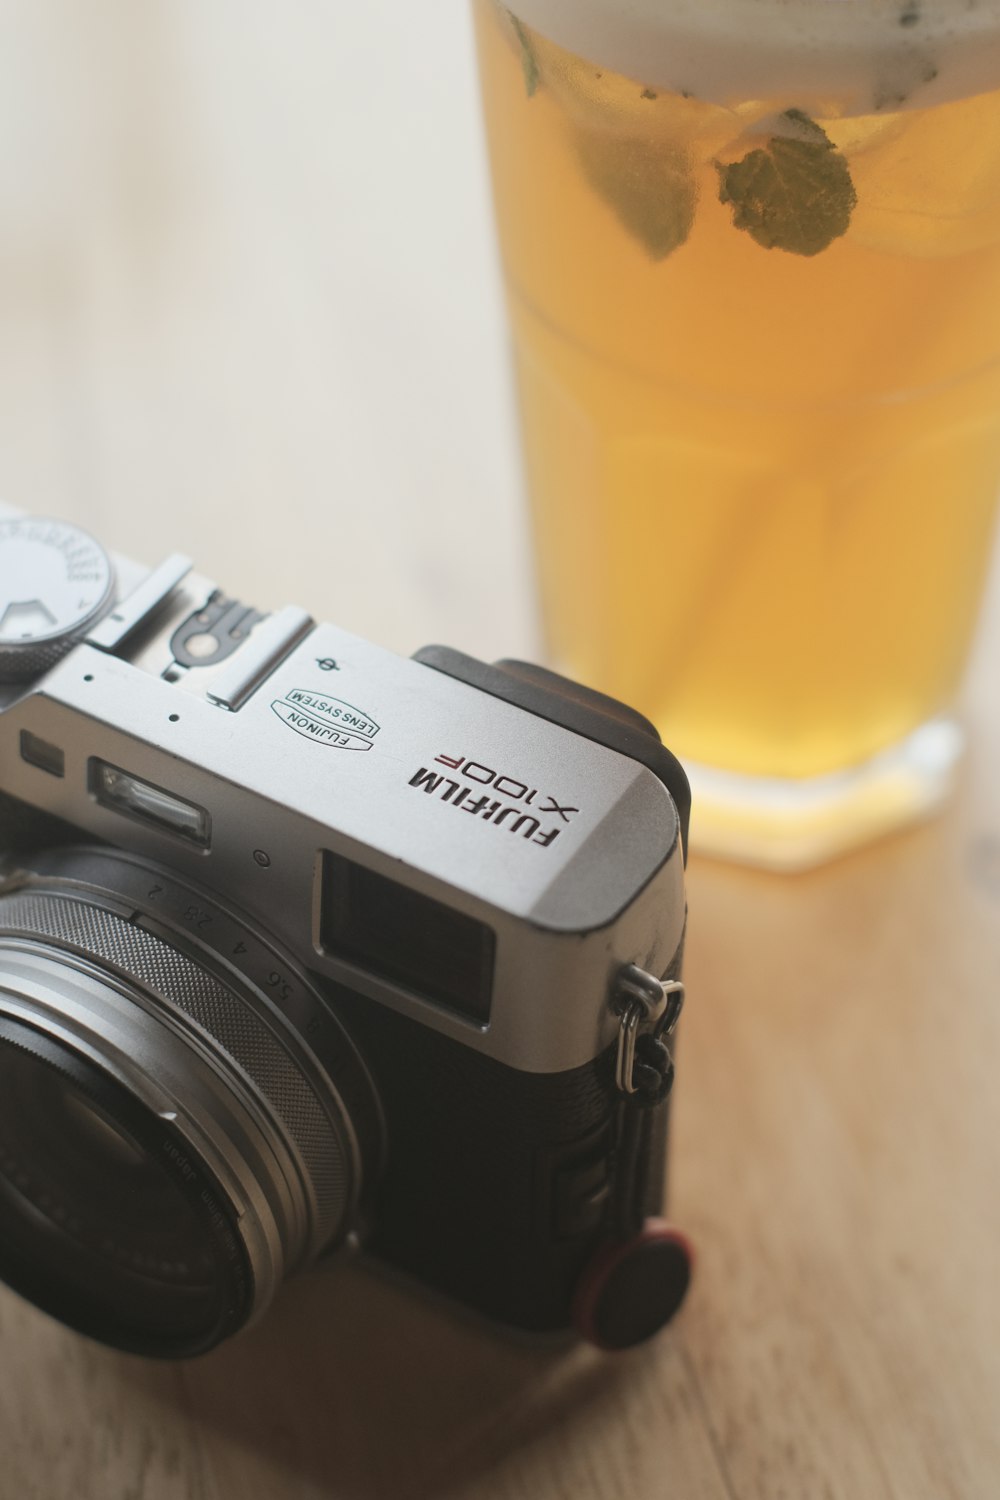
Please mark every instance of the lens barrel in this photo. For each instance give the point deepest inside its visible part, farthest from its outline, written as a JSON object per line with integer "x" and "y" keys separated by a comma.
{"x": 183, "y": 1120}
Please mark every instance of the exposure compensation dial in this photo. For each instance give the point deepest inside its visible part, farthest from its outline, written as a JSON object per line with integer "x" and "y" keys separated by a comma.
{"x": 55, "y": 582}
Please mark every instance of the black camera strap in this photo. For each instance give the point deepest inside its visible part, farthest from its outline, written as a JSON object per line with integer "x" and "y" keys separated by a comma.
{"x": 649, "y": 1010}
{"x": 639, "y": 1276}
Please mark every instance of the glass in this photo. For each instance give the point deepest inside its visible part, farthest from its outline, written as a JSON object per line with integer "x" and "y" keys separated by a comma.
{"x": 753, "y": 264}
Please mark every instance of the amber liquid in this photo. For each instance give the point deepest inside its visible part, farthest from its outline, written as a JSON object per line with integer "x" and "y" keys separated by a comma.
{"x": 763, "y": 483}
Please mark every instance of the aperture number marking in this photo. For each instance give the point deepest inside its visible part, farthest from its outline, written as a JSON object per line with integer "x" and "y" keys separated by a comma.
{"x": 279, "y": 986}
{"x": 197, "y": 916}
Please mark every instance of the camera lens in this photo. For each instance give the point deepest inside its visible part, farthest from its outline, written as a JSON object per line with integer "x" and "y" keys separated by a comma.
{"x": 92, "y": 1223}
{"x": 171, "y": 1144}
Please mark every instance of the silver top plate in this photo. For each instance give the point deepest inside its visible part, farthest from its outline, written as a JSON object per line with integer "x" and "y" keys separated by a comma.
{"x": 568, "y": 851}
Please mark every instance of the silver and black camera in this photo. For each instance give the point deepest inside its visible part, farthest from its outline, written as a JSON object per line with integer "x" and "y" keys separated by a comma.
{"x": 304, "y": 945}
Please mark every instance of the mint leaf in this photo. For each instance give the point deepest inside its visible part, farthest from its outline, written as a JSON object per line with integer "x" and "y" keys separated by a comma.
{"x": 794, "y": 193}
{"x": 799, "y": 125}
{"x": 648, "y": 186}
{"x": 529, "y": 62}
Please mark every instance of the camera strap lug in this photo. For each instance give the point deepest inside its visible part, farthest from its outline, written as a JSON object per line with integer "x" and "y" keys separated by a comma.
{"x": 648, "y": 1010}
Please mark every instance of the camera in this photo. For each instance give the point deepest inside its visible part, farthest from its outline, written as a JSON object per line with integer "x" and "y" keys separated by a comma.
{"x": 306, "y": 946}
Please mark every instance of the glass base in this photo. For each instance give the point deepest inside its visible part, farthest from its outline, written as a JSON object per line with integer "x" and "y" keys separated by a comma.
{"x": 794, "y": 825}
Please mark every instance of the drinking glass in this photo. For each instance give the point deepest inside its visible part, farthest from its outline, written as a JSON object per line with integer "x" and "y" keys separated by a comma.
{"x": 752, "y": 255}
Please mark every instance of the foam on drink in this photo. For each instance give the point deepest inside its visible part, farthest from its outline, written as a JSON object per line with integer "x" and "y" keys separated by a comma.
{"x": 834, "y": 56}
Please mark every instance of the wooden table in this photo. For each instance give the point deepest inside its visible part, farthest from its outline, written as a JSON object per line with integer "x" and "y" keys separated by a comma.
{"x": 201, "y": 347}
{"x": 835, "y": 1159}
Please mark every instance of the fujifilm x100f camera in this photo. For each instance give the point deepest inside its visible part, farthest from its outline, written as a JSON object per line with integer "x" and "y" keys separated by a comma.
{"x": 306, "y": 945}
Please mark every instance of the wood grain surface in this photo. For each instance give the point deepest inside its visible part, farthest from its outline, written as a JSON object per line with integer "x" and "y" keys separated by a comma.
{"x": 835, "y": 1161}
{"x": 248, "y": 308}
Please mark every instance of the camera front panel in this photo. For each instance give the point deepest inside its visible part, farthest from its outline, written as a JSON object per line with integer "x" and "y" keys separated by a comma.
{"x": 500, "y": 1186}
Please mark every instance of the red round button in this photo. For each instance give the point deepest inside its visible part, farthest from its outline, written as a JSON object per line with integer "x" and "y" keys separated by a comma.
{"x": 632, "y": 1288}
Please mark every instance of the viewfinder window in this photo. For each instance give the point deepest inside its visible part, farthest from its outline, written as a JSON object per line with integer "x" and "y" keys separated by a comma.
{"x": 402, "y": 935}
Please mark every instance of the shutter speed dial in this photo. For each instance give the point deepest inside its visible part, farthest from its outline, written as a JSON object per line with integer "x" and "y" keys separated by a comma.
{"x": 55, "y": 582}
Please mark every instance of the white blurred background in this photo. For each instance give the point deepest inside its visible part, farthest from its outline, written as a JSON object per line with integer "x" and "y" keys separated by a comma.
{"x": 250, "y": 305}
